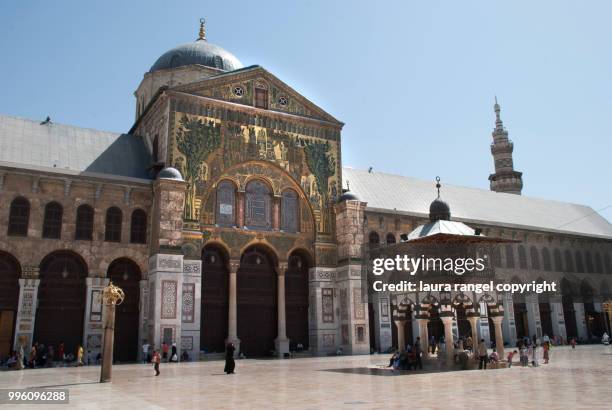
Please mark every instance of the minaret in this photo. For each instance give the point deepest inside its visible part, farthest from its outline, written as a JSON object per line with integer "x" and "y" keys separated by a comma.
{"x": 505, "y": 178}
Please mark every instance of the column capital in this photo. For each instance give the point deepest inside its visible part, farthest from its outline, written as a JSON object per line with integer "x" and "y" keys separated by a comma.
{"x": 233, "y": 265}
{"x": 282, "y": 268}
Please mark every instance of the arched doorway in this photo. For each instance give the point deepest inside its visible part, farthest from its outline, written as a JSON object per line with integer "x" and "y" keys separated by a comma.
{"x": 257, "y": 299}
{"x": 61, "y": 301}
{"x": 125, "y": 273}
{"x": 10, "y": 272}
{"x": 296, "y": 300}
{"x": 569, "y": 314}
{"x": 215, "y": 288}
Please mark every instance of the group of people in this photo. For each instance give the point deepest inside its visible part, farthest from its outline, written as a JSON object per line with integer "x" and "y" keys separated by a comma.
{"x": 41, "y": 355}
{"x": 409, "y": 359}
{"x": 169, "y": 355}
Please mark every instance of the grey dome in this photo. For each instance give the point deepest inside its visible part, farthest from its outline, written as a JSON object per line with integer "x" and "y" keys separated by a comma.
{"x": 199, "y": 52}
{"x": 439, "y": 210}
{"x": 170, "y": 173}
{"x": 348, "y": 196}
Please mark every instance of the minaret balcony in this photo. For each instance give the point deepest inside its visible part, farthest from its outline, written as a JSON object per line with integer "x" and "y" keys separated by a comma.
{"x": 502, "y": 147}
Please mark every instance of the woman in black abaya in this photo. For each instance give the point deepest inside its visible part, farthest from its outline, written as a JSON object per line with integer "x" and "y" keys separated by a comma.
{"x": 229, "y": 359}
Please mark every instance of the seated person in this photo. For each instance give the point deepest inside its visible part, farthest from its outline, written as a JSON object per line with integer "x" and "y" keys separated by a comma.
{"x": 412, "y": 360}
{"x": 494, "y": 357}
{"x": 393, "y": 358}
{"x": 185, "y": 356}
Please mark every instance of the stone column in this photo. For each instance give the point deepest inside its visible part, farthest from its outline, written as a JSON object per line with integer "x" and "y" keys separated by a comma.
{"x": 108, "y": 343}
{"x": 557, "y": 317}
{"x": 143, "y": 317}
{"x": 401, "y": 341}
{"x": 26, "y": 313}
{"x": 94, "y": 317}
{"x": 483, "y": 324}
{"x": 508, "y": 324}
{"x": 581, "y": 321}
{"x": 281, "y": 343}
{"x": 533, "y": 315}
{"x": 448, "y": 337}
{"x": 499, "y": 337}
{"x": 473, "y": 319}
{"x": 232, "y": 316}
{"x": 424, "y": 334}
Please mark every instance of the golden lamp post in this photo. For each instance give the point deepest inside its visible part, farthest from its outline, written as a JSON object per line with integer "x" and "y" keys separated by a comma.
{"x": 111, "y": 297}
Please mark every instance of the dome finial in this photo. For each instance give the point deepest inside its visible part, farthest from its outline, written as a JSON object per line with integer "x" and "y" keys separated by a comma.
{"x": 438, "y": 186}
{"x": 202, "y": 35}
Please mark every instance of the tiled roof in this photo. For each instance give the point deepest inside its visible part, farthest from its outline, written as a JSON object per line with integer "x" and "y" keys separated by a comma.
{"x": 387, "y": 192}
{"x": 73, "y": 150}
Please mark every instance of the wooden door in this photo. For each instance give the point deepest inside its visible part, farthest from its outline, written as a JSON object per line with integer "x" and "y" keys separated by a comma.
{"x": 296, "y": 301}
{"x": 126, "y": 274}
{"x": 215, "y": 295}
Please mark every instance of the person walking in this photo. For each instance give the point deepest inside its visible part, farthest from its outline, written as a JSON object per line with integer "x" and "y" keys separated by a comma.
{"x": 482, "y": 355}
{"x": 165, "y": 349}
{"x": 173, "y": 353}
{"x": 418, "y": 352}
{"x": 79, "y": 354}
{"x": 230, "y": 364}
{"x": 546, "y": 349}
{"x": 510, "y": 356}
{"x": 145, "y": 352}
{"x": 156, "y": 360}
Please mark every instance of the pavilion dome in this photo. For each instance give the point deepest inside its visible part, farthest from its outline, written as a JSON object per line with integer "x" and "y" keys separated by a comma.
{"x": 348, "y": 196}
{"x": 439, "y": 211}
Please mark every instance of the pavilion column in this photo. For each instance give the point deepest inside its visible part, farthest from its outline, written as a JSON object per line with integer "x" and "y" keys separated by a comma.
{"x": 401, "y": 340}
{"x": 499, "y": 337}
{"x": 533, "y": 315}
{"x": 607, "y": 308}
{"x": 448, "y": 337}
{"x": 473, "y": 319}
{"x": 423, "y": 334}
{"x": 581, "y": 321}
{"x": 557, "y": 317}
{"x": 281, "y": 342}
{"x": 232, "y": 321}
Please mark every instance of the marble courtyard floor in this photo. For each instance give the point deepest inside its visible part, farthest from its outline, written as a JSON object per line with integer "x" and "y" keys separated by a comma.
{"x": 576, "y": 379}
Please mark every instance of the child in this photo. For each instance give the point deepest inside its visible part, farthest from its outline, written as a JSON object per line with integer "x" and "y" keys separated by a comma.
{"x": 510, "y": 356}
{"x": 156, "y": 359}
{"x": 546, "y": 353}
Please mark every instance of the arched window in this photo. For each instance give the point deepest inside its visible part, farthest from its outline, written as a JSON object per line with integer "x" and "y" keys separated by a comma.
{"x": 569, "y": 262}
{"x": 390, "y": 238}
{"x": 522, "y": 257}
{"x": 19, "y": 216}
{"x": 535, "y": 258}
{"x": 258, "y": 210}
{"x": 226, "y": 208}
{"x": 579, "y": 264}
{"x": 546, "y": 259}
{"x": 589, "y": 262}
{"x": 509, "y": 257}
{"x": 84, "y": 223}
{"x": 113, "y": 224}
{"x": 374, "y": 239}
{"x": 138, "y": 227}
{"x": 558, "y": 261}
{"x": 289, "y": 211}
{"x": 598, "y": 264}
{"x": 52, "y": 223}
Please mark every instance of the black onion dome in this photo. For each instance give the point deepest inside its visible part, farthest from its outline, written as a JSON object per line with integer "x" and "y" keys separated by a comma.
{"x": 199, "y": 52}
{"x": 170, "y": 173}
{"x": 348, "y": 196}
{"x": 439, "y": 210}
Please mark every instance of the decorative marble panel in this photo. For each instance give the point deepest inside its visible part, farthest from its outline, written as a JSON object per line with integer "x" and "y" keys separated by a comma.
{"x": 328, "y": 340}
{"x": 168, "y": 299}
{"x": 186, "y": 342}
{"x": 192, "y": 266}
{"x": 94, "y": 341}
{"x": 358, "y": 306}
{"x": 345, "y": 334}
{"x": 188, "y": 302}
{"x": 360, "y": 334}
{"x": 95, "y": 311}
{"x": 344, "y": 312}
{"x": 328, "y": 305}
{"x": 26, "y": 306}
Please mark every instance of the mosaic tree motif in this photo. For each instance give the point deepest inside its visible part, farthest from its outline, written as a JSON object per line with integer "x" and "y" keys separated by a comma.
{"x": 323, "y": 166}
{"x": 195, "y": 139}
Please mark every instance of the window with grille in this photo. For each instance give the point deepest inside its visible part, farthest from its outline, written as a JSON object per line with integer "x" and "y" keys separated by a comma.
{"x": 84, "y": 223}
{"x": 113, "y": 225}
{"x": 258, "y": 206}
{"x": 52, "y": 223}
{"x": 226, "y": 204}
{"x": 19, "y": 216}
{"x": 289, "y": 211}
{"x": 138, "y": 227}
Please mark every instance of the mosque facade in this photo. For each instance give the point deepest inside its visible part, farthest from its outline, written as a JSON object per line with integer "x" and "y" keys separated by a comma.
{"x": 224, "y": 214}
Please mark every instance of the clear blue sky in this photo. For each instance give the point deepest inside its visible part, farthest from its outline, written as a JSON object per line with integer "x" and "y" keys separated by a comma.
{"x": 413, "y": 81}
